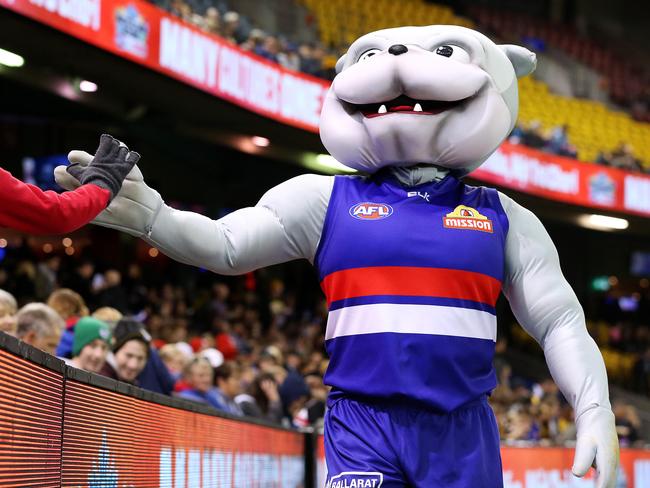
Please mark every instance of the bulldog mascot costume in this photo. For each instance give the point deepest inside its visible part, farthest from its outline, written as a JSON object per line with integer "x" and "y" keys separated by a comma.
{"x": 411, "y": 260}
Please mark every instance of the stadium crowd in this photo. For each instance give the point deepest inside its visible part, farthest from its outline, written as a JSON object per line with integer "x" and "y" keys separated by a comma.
{"x": 249, "y": 345}
{"x": 557, "y": 141}
{"x": 214, "y": 17}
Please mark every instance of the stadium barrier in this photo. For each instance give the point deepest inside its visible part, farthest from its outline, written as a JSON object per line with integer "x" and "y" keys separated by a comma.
{"x": 62, "y": 427}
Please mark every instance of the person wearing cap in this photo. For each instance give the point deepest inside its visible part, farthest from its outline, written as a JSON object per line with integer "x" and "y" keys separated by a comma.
{"x": 91, "y": 344}
{"x": 130, "y": 352}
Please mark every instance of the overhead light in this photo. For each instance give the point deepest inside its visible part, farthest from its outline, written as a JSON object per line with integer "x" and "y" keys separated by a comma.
{"x": 87, "y": 86}
{"x": 260, "y": 141}
{"x": 602, "y": 222}
{"x": 11, "y": 59}
{"x": 325, "y": 163}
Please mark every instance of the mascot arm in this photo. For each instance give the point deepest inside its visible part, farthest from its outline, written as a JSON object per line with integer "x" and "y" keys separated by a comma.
{"x": 284, "y": 225}
{"x": 548, "y": 309}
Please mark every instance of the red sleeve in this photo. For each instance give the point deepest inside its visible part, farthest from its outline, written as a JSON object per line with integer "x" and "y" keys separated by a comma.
{"x": 29, "y": 209}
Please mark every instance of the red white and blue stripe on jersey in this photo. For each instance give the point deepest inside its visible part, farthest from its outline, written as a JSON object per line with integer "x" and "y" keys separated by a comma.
{"x": 411, "y": 301}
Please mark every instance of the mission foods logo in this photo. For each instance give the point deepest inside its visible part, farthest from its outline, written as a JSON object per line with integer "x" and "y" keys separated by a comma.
{"x": 371, "y": 211}
{"x": 467, "y": 218}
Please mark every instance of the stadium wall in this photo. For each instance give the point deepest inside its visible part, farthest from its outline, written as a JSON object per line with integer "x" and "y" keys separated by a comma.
{"x": 60, "y": 426}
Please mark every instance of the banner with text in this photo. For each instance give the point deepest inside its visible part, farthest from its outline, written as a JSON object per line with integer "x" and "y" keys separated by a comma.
{"x": 139, "y": 31}
{"x": 567, "y": 180}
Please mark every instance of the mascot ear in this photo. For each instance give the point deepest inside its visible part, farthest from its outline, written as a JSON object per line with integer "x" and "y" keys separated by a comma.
{"x": 523, "y": 60}
{"x": 340, "y": 63}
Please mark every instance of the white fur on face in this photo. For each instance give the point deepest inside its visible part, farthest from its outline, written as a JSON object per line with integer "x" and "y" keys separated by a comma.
{"x": 479, "y": 76}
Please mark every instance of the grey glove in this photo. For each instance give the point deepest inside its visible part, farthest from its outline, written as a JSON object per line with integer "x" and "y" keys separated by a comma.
{"x": 110, "y": 165}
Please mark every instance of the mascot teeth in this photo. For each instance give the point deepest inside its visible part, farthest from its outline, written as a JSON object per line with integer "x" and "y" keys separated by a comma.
{"x": 417, "y": 108}
{"x": 382, "y": 109}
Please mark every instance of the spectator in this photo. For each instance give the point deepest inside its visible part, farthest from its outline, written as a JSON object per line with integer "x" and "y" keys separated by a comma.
{"x": 233, "y": 30}
{"x": 212, "y": 22}
{"x": 288, "y": 56}
{"x": 109, "y": 315}
{"x": 8, "y": 308}
{"x": 269, "y": 49}
{"x": 70, "y": 307}
{"x": 627, "y": 423}
{"x": 155, "y": 376}
{"x": 294, "y": 394}
{"x": 112, "y": 294}
{"x": 46, "y": 276}
{"x": 174, "y": 360}
{"x": 623, "y": 157}
{"x": 262, "y": 399}
{"x": 39, "y": 326}
{"x": 227, "y": 379}
{"x": 199, "y": 377}
{"x": 81, "y": 279}
{"x": 91, "y": 344}
{"x": 533, "y": 136}
{"x": 130, "y": 352}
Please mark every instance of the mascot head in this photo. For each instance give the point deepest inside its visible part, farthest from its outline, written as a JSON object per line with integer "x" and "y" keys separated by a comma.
{"x": 438, "y": 94}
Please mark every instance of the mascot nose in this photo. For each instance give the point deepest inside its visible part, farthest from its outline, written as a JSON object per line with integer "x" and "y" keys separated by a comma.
{"x": 397, "y": 49}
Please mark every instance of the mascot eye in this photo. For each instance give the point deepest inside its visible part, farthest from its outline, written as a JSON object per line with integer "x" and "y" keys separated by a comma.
{"x": 453, "y": 52}
{"x": 368, "y": 53}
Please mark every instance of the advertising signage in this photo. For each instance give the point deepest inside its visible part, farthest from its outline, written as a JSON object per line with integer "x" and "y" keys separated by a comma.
{"x": 139, "y": 31}
{"x": 566, "y": 180}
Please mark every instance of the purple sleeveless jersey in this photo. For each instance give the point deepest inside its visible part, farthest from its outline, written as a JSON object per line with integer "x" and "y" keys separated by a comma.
{"x": 412, "y": 276}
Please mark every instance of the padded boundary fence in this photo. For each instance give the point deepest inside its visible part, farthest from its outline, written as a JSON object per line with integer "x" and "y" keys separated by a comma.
{"x": 60, "y": 426}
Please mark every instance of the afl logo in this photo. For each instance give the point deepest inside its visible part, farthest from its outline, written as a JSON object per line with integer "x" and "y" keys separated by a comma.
{"x": 371, "y": 211}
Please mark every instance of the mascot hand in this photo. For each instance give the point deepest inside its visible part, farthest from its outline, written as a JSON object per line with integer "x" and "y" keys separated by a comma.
{"x": 133, "y": 210}
{"x": 598, "y": 445}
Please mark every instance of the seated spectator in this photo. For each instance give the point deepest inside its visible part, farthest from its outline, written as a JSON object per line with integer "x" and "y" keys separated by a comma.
{"x": 174, "y": 360}
{"x": 130, "y": 352}
{"x": 294, "y": 394}
{"x": 70, "y": 306}
{"x": 112, "y": 293}
{"x": 155, "y": 376}
{"x": 269, "y": 49}
{"x": 91, "y": 344}
{"x": 8, "y": 308}
{"x": 288, "y": 56}
{"x": 212, "y": 22}
{"x": 227, "y": 379}
{"x": 39, "y": 326}
{"x": 533, "y": 136}
{"x": 199, "y": 378}
{"x": 627, "y": 423}
{"x": 109, "y": 315}
{"x": 262, "y": 399}
{"x": 233, "y": 29}
{"x": 315, "y": 406}
{"x": 623, "y": 157}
